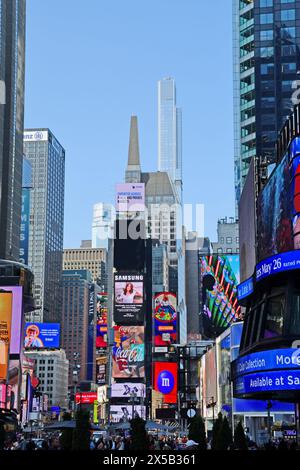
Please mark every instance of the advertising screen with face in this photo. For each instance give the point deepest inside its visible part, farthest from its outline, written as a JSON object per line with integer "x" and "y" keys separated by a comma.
{"x": 129, "y": 298}
{"x": 41, "y": 335}
{"x": 128, "y": 352}
{"x": 101, "y": 327}
{"x": 165, "y": 319}
{"x": 219, "y": 278}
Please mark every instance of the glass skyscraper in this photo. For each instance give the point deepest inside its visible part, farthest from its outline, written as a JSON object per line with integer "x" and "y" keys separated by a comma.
{"x": 47, "y": 158}
{"x": 169, "y": 132}
{"x": 266, "y": 35}
{"x": 12, "y": 67}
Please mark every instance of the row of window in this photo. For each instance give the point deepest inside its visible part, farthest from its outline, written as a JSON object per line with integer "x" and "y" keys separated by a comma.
{"x": 285, "y": 15}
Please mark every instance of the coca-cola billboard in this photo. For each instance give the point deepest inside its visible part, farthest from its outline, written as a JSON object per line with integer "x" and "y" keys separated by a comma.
{"x": 128, "y": 352}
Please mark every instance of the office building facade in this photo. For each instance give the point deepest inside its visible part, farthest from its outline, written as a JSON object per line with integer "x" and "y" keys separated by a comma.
{"x": 228, "y": 237}
{"x": 87, "y": 258}
{"x": 47, "y": 158}
{"x": 266, "y": 65}
{"x": 102, "y": 226}
{"x": 12, "y": 71}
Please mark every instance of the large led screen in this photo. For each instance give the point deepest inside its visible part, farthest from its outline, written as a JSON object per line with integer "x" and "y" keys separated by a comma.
{"x": 41, "y": 335}
{"x": 129, "y": 298}
{"x": 128, "y": 352}
{"x": 6, "y": 299}
{"x": 125, "y": 389}
{"x": 165, "y": 380}
{"x": 101, "y": 327}
{"x": 123, "y": 413}
{"x": 165, "y": 319}
{"x": 16, "y": 320}
{"x": 219, "y": 279}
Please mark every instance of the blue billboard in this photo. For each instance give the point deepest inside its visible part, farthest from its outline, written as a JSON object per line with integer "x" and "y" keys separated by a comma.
{"x": 41, "y": 335}
{"x": 271, "y": 381}
{"x": 24, "y": 229}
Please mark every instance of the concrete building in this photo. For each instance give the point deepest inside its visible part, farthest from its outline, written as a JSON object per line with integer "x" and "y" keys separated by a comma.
{"x": 12, "y": 73}
{"x": 228, "y": 237}
{"x": 52, "y": 370}
{"x": 87, "y": 258}
{"x": 160, "y": 267}
{"x": 47, "y": 158}
{"x": 75, "y": 318}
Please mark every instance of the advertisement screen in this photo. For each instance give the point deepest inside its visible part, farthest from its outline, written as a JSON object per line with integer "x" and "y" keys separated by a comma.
{"x": 41, "y": 335}
{"x": 129, "y": 298}
{"x": 101, "y": 327}
{"x": 165, "y": 380}
{"x": 128, "y": 352}
{"x": 130, "y": 197}
{"x": 210, "y": 379}
{"x": 86, "y": 397}
{"x": 165, "y": 319}
{"x": 14, "y": 368}
{"x": 5, "y": 331}
{"x": 101, "y": 370}
{"x": 219, "y": 278}
{"x": 124, "y": 413}
{"x": 278, "y": 207}
{"x": 16, "y": 321}
{"x": 124, "y": 390}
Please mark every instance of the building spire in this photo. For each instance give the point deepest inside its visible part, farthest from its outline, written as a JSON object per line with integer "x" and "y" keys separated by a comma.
{"x": 133, "y": 170}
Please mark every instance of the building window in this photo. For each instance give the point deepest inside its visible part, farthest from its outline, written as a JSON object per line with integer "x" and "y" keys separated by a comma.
{"x": 266, "y": 3}
{"x": 266, "y": 18}
{"x": 229, "y": 250}
{"x": 267, "y": 35}
{"x": 222, "y": 240}
{"x": 288, "y": 15}
{"x": 228, "y": 240}
{"x": 220, "y": 250}
{"x": 267, "y": 51}
{"x": 266, "y": 69}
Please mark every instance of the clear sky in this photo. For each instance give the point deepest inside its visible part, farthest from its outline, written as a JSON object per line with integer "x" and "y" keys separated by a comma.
{"x": 90, "y": 65}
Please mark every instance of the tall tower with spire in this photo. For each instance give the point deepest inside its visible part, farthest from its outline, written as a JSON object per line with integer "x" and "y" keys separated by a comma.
{"x": 133, "y": 169}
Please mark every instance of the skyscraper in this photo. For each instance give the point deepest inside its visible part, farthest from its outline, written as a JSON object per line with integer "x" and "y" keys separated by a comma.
{"x": 12, "y": 67}
{"x": 169, "y": 132}
{"x": 45, "y": 256}
{"x": 266, "y": 63}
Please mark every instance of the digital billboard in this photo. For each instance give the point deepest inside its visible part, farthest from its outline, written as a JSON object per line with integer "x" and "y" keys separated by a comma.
{"x": 130, "y": 197}
{"x": 5, "y": 331}
{"x": 123, "y": 413}
{"x": 166, "y": 381}
{"x": 101, "y": 327}
{"x": 219, "y": 279}
{"x": 86, "y": 397}
{"x": 16, "y": 319}
{"x": 128, "y": 352}
{"x": 128, "y": 298}
{"x": 101, "y": 362}
{"x": 41, "y": 335}
{"x": 14, "y": 369}
{"x": 124, "y": 390}
{"x": 165, "y": 319}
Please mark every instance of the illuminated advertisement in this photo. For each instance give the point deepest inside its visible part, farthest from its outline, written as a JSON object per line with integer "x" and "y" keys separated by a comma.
{"x": 278, "y": 207}
{"x": 13, "y": 384}
{"x": 129, "y": 298}
{"x": 130, "y": 197}
{"x": 219, "y": 277}
{"x": 128, "y": 352}
{"x": 101, "y": 370}
{"x": 101, "y": 327}
{"x": 41, "y": 335}
{"x": 124, "y": 413}
{"x": 91, "y": 334}
{"x": 165, "y": 380}
{"x": 5, "y": 331}
{"x": 86, "y": 397}
{"x": 124, "y": 390}
{"x": 165, "y": 319}
{"x": 267, "y": 371}
{"x": 17, "y": 318}
{"x": 24, "y": 235}
{"x": 2, "y": 396}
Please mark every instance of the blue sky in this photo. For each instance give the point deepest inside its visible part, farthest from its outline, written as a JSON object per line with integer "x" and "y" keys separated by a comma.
{"x": 90, "y": 65}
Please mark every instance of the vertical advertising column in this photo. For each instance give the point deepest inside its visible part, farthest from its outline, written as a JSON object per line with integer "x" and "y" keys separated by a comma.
{"x": 5, "y": 332}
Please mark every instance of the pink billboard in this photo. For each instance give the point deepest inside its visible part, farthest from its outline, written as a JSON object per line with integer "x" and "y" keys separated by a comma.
{"x": 17, "y": 317}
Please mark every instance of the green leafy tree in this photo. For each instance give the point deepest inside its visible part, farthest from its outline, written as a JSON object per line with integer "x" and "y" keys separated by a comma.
{"x": 224, "y": 437}
{"x": 81, "y": 433}
{"x": 240, "y": 441}
{"x": 197, "y": 432}
{"x": 139, "y": 434}
{"x": 216, "y": 428}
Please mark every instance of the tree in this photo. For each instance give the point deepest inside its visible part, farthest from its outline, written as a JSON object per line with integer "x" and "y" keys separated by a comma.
{"x": 224, "y": 437}
{"x": 215, "y": 431}
{"x": 81, "y": 433}
{"x": 197, "y": 432}
{"x": 139, "y": 434}
{"x": 240, "y": 441}
{"x": 66, "y": 437}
